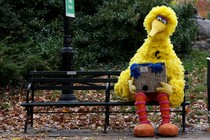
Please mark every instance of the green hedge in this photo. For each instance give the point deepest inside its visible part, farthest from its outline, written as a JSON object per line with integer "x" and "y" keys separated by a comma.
{"x": 103, "y": 32}
{"x": 115, "y": 31}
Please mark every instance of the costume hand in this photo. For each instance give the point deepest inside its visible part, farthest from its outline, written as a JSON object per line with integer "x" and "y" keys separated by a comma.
{"x": 166, "y": 88}
{"x": 132, "y": 88}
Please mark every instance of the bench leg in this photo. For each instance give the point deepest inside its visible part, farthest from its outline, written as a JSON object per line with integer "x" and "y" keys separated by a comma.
{"x": 183, "y": 118}
{"x": 26, "y": 125}
{"x": 32, "y": 116}
{"x": 106, "y": 123}
{"x": 27, "y": 120}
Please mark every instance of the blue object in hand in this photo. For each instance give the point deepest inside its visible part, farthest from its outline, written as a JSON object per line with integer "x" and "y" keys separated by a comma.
{"x": 135, "y": 72}
{"x": 157, "y": 68}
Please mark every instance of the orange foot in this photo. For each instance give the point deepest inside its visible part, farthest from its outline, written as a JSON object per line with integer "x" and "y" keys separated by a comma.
{"x": 168, "y": 130}
{"x": 143, "y": 130}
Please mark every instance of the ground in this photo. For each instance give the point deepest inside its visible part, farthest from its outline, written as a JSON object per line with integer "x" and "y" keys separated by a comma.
{"x": 86, "y": 126}
{"x": 84, "y": 134}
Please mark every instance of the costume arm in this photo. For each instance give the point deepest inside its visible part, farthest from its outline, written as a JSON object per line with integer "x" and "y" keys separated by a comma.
{"x": 121, "y": 87}
{"x": 176, "y": 98}
{"x": 176, "y": 80}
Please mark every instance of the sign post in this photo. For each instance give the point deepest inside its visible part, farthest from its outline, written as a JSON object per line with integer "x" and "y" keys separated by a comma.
{"x": 67, "y": 51}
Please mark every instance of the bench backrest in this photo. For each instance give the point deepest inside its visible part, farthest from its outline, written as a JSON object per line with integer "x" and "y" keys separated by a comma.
{"x": 73, "y": 80}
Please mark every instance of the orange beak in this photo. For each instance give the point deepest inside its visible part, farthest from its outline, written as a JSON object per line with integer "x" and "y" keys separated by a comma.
{"x": 157, "y": 27}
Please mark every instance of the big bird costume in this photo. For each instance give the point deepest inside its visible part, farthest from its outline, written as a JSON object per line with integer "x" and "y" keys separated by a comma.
{"x": 160, "y": 23}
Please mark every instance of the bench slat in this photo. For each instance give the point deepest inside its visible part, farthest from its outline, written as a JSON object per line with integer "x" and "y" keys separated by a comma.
{"x": 74, "y": 80}
{"x": 54, "y": 87}
{"x": 74, "y": 73}
{"x": 66, "y": 103}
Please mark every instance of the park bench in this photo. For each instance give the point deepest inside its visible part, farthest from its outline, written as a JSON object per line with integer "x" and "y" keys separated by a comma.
{"x": 102, "y": 81}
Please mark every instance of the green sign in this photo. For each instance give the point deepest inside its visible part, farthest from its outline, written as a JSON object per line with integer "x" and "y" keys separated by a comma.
{"x": 70, "y": 9}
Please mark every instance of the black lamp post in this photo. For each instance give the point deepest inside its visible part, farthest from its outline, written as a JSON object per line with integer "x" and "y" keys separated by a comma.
{"x": 67, "y": 54}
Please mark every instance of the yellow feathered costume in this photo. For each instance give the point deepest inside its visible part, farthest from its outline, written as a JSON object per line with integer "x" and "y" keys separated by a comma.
{"x": 157, "y": 49}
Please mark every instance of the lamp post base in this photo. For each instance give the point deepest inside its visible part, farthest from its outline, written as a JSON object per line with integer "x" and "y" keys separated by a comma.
{"x": 67, "y": 53}
{"x": 68, "y": 97}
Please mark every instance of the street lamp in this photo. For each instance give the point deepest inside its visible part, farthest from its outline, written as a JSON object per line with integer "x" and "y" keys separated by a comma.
{"x": 67, "y": 53}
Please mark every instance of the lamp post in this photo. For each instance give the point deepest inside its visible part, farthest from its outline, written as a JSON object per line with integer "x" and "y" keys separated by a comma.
{"x": 67, "y": 52}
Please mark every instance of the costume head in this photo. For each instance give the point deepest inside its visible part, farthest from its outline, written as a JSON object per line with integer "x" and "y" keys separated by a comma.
{"x": 161, "y": 20}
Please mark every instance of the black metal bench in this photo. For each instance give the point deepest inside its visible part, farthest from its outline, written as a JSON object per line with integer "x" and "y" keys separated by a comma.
{"x": 77, "y": 80}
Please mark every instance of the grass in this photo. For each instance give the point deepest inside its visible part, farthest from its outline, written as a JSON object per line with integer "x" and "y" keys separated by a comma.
{"x": 195, "y": 61}
{"x": 196, "y": 65}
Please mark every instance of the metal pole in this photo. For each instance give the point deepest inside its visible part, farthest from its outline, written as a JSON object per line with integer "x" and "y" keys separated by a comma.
{"x": 67, "y": 54}
{"x": 208, "y": 86}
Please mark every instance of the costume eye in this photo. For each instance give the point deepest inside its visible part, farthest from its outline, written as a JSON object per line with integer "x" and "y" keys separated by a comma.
{"x": 159, "y": 18}
{"x": 164, "y": 21}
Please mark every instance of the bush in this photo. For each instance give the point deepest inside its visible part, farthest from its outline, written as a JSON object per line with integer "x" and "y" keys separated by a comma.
{"x": 31, "y": 37}
{"x": 186, "y": 32}
{"x": 103, "y": 32}
{"x": 16, "y": 60}
{"x": 115, "y": 31}
{"x": 23, "y": 20}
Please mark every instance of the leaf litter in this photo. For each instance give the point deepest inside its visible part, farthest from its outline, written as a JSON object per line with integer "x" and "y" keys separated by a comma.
{"x": 12, "y": 115}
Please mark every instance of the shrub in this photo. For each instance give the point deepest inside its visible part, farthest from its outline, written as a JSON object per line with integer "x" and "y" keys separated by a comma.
{"x": 23, "y": 20}
{"x": 103, "y": 32}
{"x": 186, "y": 32}
{"x": 115, "y": 31}
{"x": 31, "y": 37}
{"x": 16, "y": 60}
